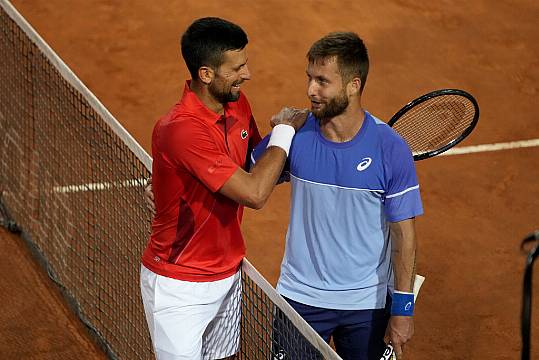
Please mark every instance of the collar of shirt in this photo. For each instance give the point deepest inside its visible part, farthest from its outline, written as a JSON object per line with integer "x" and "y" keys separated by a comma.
{"x": 191, "y": 101}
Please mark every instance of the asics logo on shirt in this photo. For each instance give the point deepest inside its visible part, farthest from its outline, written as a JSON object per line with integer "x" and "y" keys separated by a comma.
{"x": 365, "y": 162}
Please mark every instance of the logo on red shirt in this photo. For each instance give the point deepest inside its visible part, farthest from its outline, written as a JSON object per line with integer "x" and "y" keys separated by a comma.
{"x": 244, "y": 134}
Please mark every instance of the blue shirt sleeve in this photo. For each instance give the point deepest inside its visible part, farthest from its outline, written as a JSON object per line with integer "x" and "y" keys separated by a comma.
{"x": 257, "y": 153}
{"x": 402, "y": 197}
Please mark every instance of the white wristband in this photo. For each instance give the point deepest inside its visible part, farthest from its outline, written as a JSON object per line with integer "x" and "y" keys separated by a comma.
{"x": 282, "y": 136}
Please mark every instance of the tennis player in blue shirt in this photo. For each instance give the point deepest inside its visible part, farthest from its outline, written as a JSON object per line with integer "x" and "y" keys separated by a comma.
{"x": 349, "y": 262}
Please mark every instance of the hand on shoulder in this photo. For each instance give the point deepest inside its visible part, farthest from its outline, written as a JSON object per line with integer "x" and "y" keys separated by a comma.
{"x": 290, "y": 116}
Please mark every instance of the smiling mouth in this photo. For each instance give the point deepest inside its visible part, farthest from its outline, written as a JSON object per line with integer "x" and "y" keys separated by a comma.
{"x": 315, "y": 104}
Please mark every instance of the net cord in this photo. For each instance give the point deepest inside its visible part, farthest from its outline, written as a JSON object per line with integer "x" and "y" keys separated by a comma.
{"x": 141, "y": 154}
{"x": 303, "y": 327}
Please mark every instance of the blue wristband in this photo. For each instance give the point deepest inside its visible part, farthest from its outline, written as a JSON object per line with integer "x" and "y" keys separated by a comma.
{"x": 402, "y": 304}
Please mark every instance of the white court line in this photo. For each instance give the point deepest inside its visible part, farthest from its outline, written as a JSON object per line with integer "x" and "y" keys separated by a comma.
{"x": 100, "y": 186}
{"x": 491, "y": 147}
{"x": 455, "y": 151}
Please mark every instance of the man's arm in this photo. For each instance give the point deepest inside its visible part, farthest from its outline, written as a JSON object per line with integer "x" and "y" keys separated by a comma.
{"x": 253, "y": 188}
{"x": 250, "y": 189}
{"x": 403, "y": 242}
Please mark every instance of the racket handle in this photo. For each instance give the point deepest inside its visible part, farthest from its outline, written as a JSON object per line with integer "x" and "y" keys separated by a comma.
{"x": 389, "y": 354}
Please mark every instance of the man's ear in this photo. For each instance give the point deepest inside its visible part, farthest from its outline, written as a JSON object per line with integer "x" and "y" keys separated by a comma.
{"x": 354, "y": 87}
{"x": 206, "y": 74}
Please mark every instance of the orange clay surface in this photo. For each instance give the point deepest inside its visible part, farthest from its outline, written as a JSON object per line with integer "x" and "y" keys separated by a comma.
{"x": 35, "y": 322}
{"x": 478, "y": 206}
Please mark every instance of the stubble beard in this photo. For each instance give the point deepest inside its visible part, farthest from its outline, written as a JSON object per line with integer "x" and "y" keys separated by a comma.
{"x": 223, "y": 96}
{"x": 334, "y": 107}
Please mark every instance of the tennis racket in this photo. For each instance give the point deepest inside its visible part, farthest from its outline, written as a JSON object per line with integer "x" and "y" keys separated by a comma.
{"x": 437, "y": 121}
{"x": 389, "y": 354}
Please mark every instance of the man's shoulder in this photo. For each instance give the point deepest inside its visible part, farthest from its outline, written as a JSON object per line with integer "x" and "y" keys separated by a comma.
{"x": 309, "y": 128}
{"x": 179, "y": 127}
{"x": 386, "y": 133}
{"x": 380, "y": 126}
{"x": 181, "y": 115}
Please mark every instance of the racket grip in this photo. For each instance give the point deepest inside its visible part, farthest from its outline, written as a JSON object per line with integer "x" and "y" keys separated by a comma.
{"x": 389, "y": 354}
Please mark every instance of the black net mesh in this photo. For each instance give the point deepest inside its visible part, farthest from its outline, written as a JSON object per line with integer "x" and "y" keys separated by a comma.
{"x": 75, "y": 187}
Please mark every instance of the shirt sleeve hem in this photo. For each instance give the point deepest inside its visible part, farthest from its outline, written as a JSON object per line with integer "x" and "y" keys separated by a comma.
{"x": 404, "y": 216}
{"x": 222, "y": 179}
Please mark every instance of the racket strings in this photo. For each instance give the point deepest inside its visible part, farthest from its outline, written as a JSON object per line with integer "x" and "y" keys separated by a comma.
{"x": 436, "y": 122}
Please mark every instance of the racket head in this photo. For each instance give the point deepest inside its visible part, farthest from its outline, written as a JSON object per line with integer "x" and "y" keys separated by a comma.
{"x": 437, "y": 121}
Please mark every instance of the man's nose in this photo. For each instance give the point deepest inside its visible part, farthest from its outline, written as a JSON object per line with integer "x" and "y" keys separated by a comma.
{"x": 311, "y": 89}
{"x": 246, "y": 74}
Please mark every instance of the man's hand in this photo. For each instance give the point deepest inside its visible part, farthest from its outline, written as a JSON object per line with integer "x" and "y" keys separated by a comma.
{"x": 290, "y": 116}
{"x": 148, "y": 197}
{"x": 399, "y": 331}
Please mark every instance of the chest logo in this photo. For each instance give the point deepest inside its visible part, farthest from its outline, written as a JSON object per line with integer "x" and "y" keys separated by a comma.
{"x": 244, "y": 134}
{"x": 365, "y": 163}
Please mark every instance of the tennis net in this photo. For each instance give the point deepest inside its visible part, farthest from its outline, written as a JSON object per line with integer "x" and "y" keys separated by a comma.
{"x": 72, "y": 178}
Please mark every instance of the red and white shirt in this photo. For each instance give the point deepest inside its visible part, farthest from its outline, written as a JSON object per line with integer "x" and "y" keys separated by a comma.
{"x": 196, "y": 231}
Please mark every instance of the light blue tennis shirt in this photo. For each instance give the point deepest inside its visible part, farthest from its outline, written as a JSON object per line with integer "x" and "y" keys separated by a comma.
{"x": 338, "y": 253}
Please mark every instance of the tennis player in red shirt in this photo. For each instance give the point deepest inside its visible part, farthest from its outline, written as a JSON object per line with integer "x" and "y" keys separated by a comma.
{"x": 190, "y": 279}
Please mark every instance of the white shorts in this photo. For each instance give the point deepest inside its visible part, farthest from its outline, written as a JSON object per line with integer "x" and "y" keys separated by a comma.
{"x": 192, "y": 320}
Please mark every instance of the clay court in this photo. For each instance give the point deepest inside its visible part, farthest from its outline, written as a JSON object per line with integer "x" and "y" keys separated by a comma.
{"x": 478, "y": 205}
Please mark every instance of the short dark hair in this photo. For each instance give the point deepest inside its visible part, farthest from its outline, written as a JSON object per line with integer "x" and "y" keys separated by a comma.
{"x": 206, "y": 40}
{"x": 350, "y": 52}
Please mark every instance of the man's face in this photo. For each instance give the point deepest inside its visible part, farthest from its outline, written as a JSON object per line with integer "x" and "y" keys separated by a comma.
{"x": 325, "y": 89}
{"x": 225, "y": 86}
